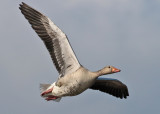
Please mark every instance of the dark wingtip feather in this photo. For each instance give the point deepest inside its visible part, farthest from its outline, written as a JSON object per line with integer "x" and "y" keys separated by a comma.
{"x": 113, "y": 87}
{"x": 21, "y": 6}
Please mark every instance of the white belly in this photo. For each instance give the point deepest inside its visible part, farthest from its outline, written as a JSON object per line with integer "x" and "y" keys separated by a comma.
{"x": 74, "y": 84}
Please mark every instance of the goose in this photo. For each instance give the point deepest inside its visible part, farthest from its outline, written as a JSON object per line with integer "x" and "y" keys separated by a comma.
{"x": 73, "y": 77}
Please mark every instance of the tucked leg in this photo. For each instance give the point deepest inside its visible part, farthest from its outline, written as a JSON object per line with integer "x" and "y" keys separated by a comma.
{"x": 47, "y": 91}
{"x": 51, "y": 98}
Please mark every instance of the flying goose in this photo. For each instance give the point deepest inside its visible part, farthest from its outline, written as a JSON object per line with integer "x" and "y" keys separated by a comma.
{"x": 73, "y": 77}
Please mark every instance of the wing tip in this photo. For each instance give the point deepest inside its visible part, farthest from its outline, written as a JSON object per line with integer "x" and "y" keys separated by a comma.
{"x": 22, "y": 4}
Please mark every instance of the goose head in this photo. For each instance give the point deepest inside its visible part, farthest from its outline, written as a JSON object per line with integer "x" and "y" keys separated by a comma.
{"x": 108, "y": 70}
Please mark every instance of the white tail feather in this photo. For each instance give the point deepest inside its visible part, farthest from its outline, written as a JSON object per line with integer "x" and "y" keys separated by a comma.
{"x": 44, "y": 87}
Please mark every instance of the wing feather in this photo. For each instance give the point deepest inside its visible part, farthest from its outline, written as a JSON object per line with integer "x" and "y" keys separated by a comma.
{"x": 112, "y": 86}
{"x": 54, "y": 39}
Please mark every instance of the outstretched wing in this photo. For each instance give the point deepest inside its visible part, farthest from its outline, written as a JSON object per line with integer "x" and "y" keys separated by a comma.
{"x": 112, "y": 86}
{"x": 54, "y": 39}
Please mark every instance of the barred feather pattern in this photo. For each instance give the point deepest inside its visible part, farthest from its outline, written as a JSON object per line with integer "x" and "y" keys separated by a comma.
{"x": 54, "y": 39}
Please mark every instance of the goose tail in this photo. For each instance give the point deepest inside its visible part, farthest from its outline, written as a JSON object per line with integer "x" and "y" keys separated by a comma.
{"x": 44, "y": 87}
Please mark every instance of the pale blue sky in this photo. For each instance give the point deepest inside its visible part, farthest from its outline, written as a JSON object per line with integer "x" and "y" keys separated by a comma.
{"x": 123, "y": 33}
